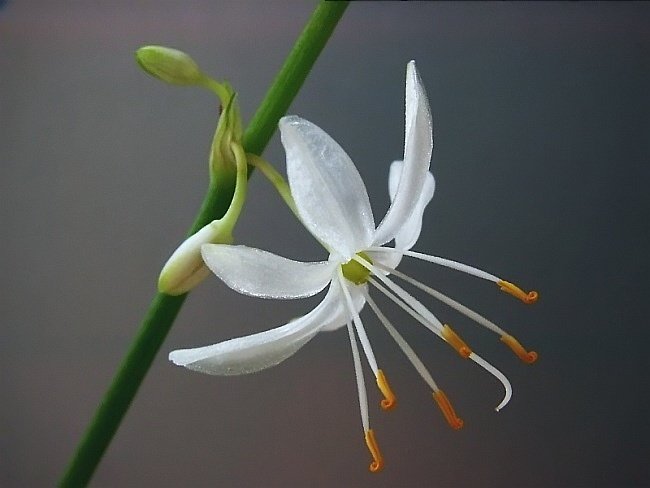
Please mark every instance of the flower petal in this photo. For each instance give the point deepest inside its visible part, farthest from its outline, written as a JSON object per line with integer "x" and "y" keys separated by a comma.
{"x": 262, "y": 274}
{"x": 408, "y": 234}
{"x": 418, "y": 146}
{"x": 329, "y": 193}
{"x": 341, "y": 315}
{"x": 259, "y": 351}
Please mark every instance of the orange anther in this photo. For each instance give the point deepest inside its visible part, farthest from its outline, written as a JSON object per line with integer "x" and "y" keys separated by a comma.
{"x": 389, "y": 401}
{"x": 515, "y": 291}
{"x": 447, "y": 410}
{"x": 378, "y": 461}
{"x": 526, "y": 356}
{"x": 456, "y": 342}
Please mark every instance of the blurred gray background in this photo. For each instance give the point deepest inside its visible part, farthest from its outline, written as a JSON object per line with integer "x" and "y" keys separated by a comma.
{"x": 542, "y": 146}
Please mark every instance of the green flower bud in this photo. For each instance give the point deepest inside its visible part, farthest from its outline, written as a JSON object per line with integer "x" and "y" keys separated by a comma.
{"x": 169, "y": 65}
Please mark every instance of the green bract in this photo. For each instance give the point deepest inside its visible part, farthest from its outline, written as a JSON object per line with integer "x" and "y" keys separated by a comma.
{"x": 229, "y": 131}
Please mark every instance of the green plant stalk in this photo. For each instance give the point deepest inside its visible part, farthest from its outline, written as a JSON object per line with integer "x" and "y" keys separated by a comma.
{"x": 164, "y": 308}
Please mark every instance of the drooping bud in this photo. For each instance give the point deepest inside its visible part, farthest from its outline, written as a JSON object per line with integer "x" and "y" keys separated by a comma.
{"x": 185, "y": 268}
{"x": 169, "y": 65}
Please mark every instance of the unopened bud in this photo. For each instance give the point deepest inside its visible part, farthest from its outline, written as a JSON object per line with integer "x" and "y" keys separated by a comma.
{"x": 185, "y": 268}
{"x": 169, "y": 65}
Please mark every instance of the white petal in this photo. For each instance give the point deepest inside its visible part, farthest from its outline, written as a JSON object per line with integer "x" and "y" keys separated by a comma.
{"x": 409, "y": 232}
{"x": 418, "y": 146}
{"x": 259, "y": 351}
{"x": 387, "y": 256}
{"x": 262, "y": 274}
{"x": 341, "y": 315}
{"x": 330, "y": 195}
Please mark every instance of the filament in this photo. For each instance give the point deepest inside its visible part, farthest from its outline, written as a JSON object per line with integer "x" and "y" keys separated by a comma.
{"x": 358, "y": 325}
{"x": 405, "y": 307}
{"x": 447, "y": 301}
{"x": 431, "y": 322}
{"x": 441, "y": 261}
{"x": 526, "y": 356}
{"x": 403, "y": 345}
{"x": 361, "y": 386}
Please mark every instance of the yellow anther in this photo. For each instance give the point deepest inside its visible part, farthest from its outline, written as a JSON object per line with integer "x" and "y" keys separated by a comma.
{"x": 456, "y": 342}
{"x": 515, "y": 291}
{"x": 389, "y": 401}
{"x": 447, "y": 410}
{"x": 526, "y": 356}
{"x": 377, "y": 462}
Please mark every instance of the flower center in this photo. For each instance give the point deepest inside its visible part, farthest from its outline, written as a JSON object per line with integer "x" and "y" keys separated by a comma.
{"x": 355, "y": 271}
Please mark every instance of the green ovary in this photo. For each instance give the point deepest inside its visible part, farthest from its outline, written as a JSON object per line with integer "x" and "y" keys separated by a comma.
{"x": 355, "y": 271}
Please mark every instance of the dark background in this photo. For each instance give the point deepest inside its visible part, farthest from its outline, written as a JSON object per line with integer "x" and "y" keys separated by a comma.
{"x": 541, "y": 160}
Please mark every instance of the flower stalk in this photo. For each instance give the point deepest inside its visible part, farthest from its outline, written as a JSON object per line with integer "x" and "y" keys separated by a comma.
{"x": 164, "y": 308}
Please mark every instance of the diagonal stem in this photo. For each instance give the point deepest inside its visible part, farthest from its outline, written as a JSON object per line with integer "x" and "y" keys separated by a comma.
{"x": 164, "y": 308}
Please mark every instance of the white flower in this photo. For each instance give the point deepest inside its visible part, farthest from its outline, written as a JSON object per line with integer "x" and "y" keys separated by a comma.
{"x": 333, "y": 204}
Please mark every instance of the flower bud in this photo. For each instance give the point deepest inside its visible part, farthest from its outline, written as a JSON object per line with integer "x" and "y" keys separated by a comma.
{"x": 169, "y": 65}
{"x": 185, "y": 268}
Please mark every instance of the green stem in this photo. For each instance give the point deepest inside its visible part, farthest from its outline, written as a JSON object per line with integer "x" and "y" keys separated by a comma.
{"x": 164, "y": 308}
{"x": 276, "y": 180}
{"x": 293, "y": 74}
{"x": 217, "y": 88}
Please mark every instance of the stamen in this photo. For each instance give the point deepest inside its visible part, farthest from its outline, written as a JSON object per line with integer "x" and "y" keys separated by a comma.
{"x": 526, "y": 356}
{"x": 498, "y": 375}
{"x": 515, "y": 291}
{"x": 390, "y": 400}
{"x": 407, "y": 308}
{"x": 378, "y": 461}
{"x": 446, "y": 300}
{"x": 358, "y": 325}
{"x": 456, "y": 342}
{"x": 447, "y": 410}
{"x": 401, "y": 342}
{"x": 358, "y": 373}
{"x": 431, "y": 322}
{"x": 438, "y": 260}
